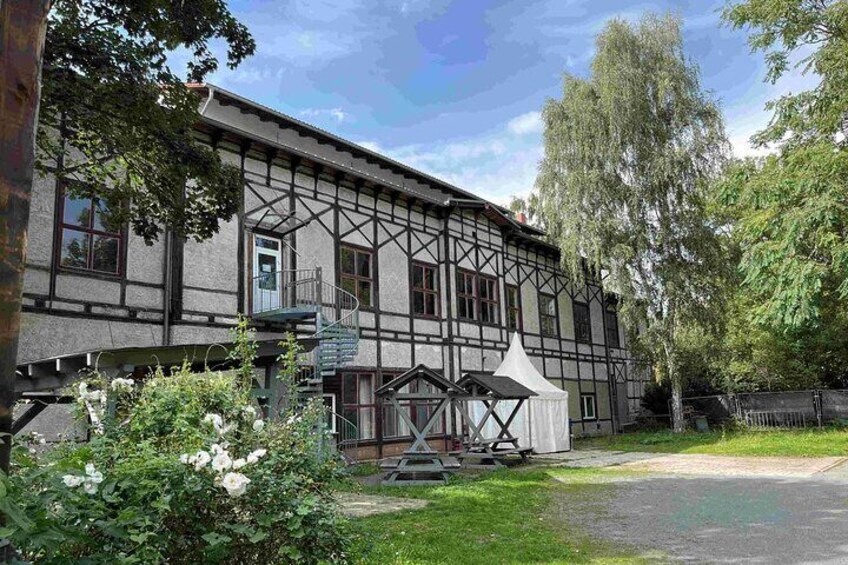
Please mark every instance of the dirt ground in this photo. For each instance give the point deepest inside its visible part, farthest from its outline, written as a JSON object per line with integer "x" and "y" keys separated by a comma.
{"x": 357, "y": 505}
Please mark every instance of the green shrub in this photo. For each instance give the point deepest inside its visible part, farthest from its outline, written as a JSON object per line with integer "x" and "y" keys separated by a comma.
{"x": 184, "y": 472}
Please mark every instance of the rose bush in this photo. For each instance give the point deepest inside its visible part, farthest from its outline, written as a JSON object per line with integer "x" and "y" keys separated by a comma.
{"x": 181, "y": 469}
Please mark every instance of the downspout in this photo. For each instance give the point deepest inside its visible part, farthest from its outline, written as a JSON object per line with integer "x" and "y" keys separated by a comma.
{"x": 209, "y": 98}
{"x": 167, "y": 295}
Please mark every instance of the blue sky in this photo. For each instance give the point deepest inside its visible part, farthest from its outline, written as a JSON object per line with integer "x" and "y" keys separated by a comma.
{"x": 455, "y": 88}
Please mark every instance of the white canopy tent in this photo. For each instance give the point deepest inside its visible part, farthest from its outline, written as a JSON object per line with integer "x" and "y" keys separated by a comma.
{"x": 542, "y": 423}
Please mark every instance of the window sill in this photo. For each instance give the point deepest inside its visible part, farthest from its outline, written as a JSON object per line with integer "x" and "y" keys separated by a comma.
{"x": 117, "y": 277}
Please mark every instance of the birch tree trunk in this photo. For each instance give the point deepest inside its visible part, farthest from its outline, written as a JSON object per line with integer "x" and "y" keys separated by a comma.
{"x": 23, "y": 25}
{"x": 677, "y": 421}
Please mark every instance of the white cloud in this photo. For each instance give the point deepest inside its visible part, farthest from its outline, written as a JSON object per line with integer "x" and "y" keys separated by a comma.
{"x": 495, "y": 166}
{"x": 531, "y": 122}
{"x": 336, "y": 114}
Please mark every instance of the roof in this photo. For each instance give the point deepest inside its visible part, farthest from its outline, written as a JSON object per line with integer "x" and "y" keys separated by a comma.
{"x": 435, "y": 191}
{"x": 423, "y": 372}
{"x": 501, "y": 387}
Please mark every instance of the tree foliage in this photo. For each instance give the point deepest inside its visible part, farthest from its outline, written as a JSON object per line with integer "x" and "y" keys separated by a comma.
{"x": 790, "y": 210}
{"x": 115, "y": 116}
{"x": 629, "y": 154}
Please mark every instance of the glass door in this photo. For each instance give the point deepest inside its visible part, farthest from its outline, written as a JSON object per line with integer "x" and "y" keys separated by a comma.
{"x": 267, "y": 273}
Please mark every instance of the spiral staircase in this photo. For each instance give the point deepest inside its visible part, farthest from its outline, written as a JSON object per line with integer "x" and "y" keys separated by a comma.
{"x": 317, "y": 309}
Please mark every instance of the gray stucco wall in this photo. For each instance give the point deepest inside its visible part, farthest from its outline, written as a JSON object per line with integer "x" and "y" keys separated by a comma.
{"x": 71, "y": 312}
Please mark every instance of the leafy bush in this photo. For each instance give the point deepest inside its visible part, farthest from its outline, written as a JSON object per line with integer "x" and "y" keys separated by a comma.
{"x": 184, "y": 470}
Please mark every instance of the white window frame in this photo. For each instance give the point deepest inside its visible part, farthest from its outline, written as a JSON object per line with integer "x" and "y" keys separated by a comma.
{"x": 332, "y": 398}
{"x": 584, "y": 407}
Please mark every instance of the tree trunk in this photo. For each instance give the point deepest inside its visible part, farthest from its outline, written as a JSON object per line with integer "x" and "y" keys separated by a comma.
{"x": 674, "y": 378}
{"x": 677, "y": 422}
{"x": 23, "y": 25}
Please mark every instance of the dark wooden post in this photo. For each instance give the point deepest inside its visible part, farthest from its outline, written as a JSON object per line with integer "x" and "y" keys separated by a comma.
{"x": 23, "y": 25}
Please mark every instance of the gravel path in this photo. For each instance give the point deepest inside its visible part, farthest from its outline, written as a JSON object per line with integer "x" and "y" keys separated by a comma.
{"x": 720, "y": 519}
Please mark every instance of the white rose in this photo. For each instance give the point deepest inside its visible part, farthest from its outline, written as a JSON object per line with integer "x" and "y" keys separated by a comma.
{"x": 89, "y": 486}
{"x": 221, "y": 462}
{"x": 249, "y": 412}
{"x": 94, "y": 476}
{"x": 72, "y": 480}
{"x": 201, "y": 459}
{"x": 122, "y": 385}
{"x": 239, "y": 463}
{"x": 254, "y": 456}
{"x": 258, "y": 425}
{"x": 235, "y": 484}
{"x": 186, "y": 458}
{"x": 214, "y": 419}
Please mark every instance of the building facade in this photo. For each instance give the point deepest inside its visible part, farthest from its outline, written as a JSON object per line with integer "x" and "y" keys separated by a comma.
{"x": 443, "y": 277}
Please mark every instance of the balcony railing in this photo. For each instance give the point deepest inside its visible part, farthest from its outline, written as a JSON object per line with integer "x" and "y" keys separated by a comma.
{"x": 301, "y": 294}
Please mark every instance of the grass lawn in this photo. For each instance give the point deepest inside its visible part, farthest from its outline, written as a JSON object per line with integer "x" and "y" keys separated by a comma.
{"x": 788, "y": 443}
{"x": 508, "y": 516}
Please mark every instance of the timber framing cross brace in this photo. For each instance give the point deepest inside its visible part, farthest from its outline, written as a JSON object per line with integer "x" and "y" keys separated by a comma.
{"x": 488, "y": 450}
{"x": 490, "y": 390}
{"x": 420, "y": 464}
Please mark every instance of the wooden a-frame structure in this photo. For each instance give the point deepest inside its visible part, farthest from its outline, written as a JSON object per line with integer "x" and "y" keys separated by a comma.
{"x": 420, "y": 464}
{"x": 490, "y": 390}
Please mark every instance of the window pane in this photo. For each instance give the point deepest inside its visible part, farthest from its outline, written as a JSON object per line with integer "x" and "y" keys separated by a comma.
{"x": 348, "y": 261}
{"x": 430, "y": 304}
{"x": 103, "y": 218}
{"x": 75, "y": 249}
{"x": 417, "y": 276}
{"x": 512, "y": 319}
{"x": 366, "y": 391}
{"x": 349, "y": 285}
{"x": 349, "y": 386}
{"x": 364, "y": 293}
{"x": 363, "y": 264}
{"x": 418, "y": 302}
{"x": 77, "y": 211}
{"x": 267, "y": 243}
{"x": 462, "y": 311}
{"x": 105, "y": 254}
{"x": 430, "y": 278}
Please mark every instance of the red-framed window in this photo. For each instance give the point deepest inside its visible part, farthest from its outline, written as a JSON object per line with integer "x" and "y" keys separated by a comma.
{"x": 89, "y": 239}
{"x": 582, "y": 323}
{"x": 359, "y": 407}
{"x": 488, "y": 299}
{"x": 612, "y": 327}
{"x": 513, "y": 308}
{"x": 425, "y": 290}
{"x": 357, "y": 273}
{"x": 547, "y": 314}
{"x": 466, "y": 294}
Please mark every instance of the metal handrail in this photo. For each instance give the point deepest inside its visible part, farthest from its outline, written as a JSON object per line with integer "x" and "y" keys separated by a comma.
{"x": 343, "y": 440}
{"x": 305, "y": 289}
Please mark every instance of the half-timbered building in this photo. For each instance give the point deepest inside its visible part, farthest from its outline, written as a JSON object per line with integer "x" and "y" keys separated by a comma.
{"x": 439, "y": 277}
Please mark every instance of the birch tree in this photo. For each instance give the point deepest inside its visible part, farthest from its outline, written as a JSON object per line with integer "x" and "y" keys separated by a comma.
{"x": 629, "y": 155}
